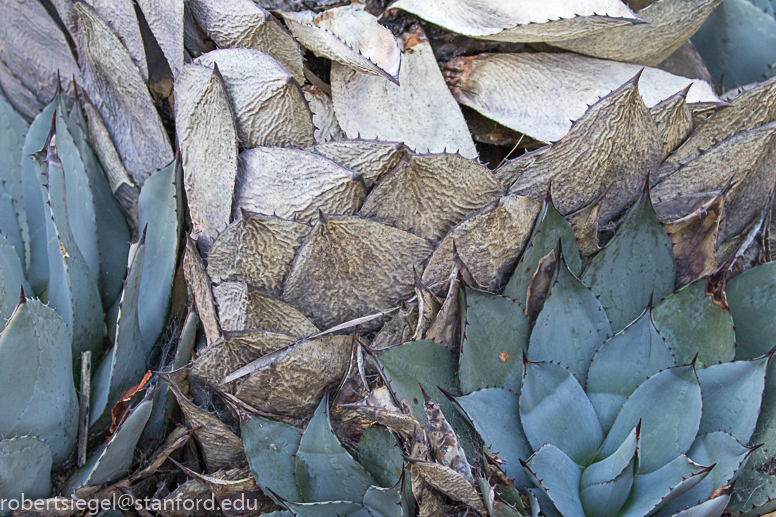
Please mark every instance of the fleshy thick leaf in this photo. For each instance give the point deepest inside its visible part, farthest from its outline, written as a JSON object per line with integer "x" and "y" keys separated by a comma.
{"x": 622, "y": 364}
{"x": 384, "y": 502}
{"x": 371, "y": 159}
{"x": 571, "y": 326}
{"x": 295, "y": 184}
{"x": 709, "y": 508}
{"x": 381, "y": 456}
{"x": 605, "y": 486}
{"x": 25, "y": 468}
{"x": 752, "y": 299}
{"x": 350, "y": 267}
{"x": 578, "y": 82}
{"x": 266, "y": 100}
{"x": 270, "y": 447}
{"x": 639, "y": 260}
{"x": 36, "y": 363}
{"x": 558, "y": 476}
{"x": 13, "y": 218}
{"x": 488, "y": 241}
{"x": 118, "y": 90}
{"x": 554, "y": 409}
{"x": 373, "y": 107}
{"x": 668, "y": 405}
{"x": 11, "y": 279}
{"x": 324, "y": 469}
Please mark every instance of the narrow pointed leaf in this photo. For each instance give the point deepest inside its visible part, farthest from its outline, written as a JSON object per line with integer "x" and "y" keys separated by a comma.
{"x": 606, "y": 485}
{"x": 120, "y": 17}
{"x": 11, "y": 279}
{"x": 752, "y": 298}
{"x": 270, "y": 447}
{"x": 709, "y": 508}
{"x": 325, "y": 121}
{"x": 14, "y": 218}
{"x": 674, "y": 121}
{"x": 558, "y": 477}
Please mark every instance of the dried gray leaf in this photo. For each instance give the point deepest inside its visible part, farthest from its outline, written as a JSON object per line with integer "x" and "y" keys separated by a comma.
{"x": 446, "y": 327}
{"x": 266, "y": 100}
{"x": 22, "y": 99}
{"x": 669, "y": 23}
{"x": 208, "y": 145}
{"x": 489, "y": 242}
{"x": 256, "y": 249}
{"x": 349, "y": 35}
{"x": 165, "y": 19}
{"x": 398, "y": 329}
{"x": 325, "y": 121}
{"x": 450, "y": 483}
{"x": 292, "y": 381}
{"x": 674, "y": 121}
{"x": 120, "y": 16}
{"x": 428, "y": 308}
{"x": 295, "y": 184}
{"x": 522, "y": 20}
{"x": 199, "y": 285}
{"x": 512, "y": 169}
{"x": 608, "y": 153}
{"x": 427, "y": 194}
{"x": 243, "y": 23}
{"x": 243, "y": 307}
{"x": 101, "y": 142}
{"x": 350, "y": 267}
{"x": 443, "y": 442}
{"x": 119, "y": 93}
{"x": 585, "y": 224}
{"x": 370, "y": 158}
{"x": 421, "y": 112}
{"x": 508, "y": 88}
{"x": 686, "y": 61}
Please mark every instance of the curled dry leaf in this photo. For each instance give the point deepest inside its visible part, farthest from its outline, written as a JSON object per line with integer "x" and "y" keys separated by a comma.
{"x": 596, "y": 158}
{"x": 450, "y": 483}
{"x": 522, "y": 20}
{"x": 695, "y": 240}
{"x": 22, "y": 99}
{"x": 446, "y": 327}
{"x": 427, "y": 194}
{"x": 199, "y": 284}
{"x": 256, "y": 249}
{"x": 746, "y": 159}
{"x": 349, "y": 35}
{"x": 266, "y": 100}
{"x": 490, "y": 242}
{"x": 243, "y": 307}
{"x": 350, "y": 267}
{"x": 512, "y": 89}
{"x": 208, "y": 145}
{"x": 674, "y": 121}
{"x": 119, "y": 93}
{"x": 669, "y": 23}
{"x": 325, "y": 121}
{"x": 373, "y": 107}
{"x": 165, "y": 19}
{"x": 585, "y": 224}
{"x": 443, "y": 442}
{"x": 398, "y": 329}
{"x": 120, "y": 16}
{"x": 371, "y": 159}
{"x": 428, "y": 308}
{"x": 243, "y": 23}
{"x": 33, "y": 50}
{"x": 292, "y": 381}
{"x": 295, "y": 184}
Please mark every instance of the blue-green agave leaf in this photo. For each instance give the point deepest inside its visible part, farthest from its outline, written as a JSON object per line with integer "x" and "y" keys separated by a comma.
{"x": 732, "y": 394}
{"x": 112, "y": 460}
{"x": 554, "y": 409}
{"x": 327, "y": 509}
{"x": 571, "y": 327}
{"x": 380, "y": 455}
{"x": 383, "y": 502}
{"x": 738, "y": 41}
{"x": 652, "y": 491}
{"x": 495, "y": 507}
{"x": 693, "y": 324}
{"x": 9, "y": 225}
{"x": 25, "y": 469}
{"x": 13, "y": 129}
{"x": 550, "y": 226}
{"x": 125, "y": 363}
{"x": 558, "y": 477}
{"x": 324, "y": 469}
{"x": 36, "y": 367}
{"x": 541, "y": 504}
{"x": 638, "y": 261}
{"x": 630, "y": 357}
{"x": 668, "y": 405}
{"x": 604, "y": 486}
{"x": 33, "y": 177}
{"x": 726, "y": 454}
{"x": 12, "y": 279}
{"x": 752, "y": 300}
{"x": 495, "y": 335}
{"x": 711, "y": 508}
{"x": 495, "y": 415}
{"x": 270, "y": 447}
{"x": 159, "y": 211}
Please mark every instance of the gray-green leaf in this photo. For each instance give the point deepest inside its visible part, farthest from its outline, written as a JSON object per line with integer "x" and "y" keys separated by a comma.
{"x": 558, "y": 476}
{"x": 270, "y": 447}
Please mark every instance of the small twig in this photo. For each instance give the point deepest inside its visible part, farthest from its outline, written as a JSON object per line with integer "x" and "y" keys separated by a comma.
{"x": 83, "y": 413}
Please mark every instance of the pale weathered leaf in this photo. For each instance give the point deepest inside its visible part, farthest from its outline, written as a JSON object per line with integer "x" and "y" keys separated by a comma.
{"x": 199, "y": 284}
{"x": 370, "y": 158}
{"x": 669, "y": 23}
{"x": 350, "y": 267}
{"x": 208, "y": 145}
{"x": 509, "y": 172}
{"x": 292, "y": 381}
{"x": 450, "y": 483}
{"x": 373, "y": 107}
{"x": 325, "y": 121}
{"x": 674, "y": 121}
{"x": 165, "y": 19}
{"x": 242, "y": 307}
{"x": 256, "y": 249}
{"x": 118, "y": 90}
{"x": 509, "y": 87}
{"x": 266, "y": 100}
{"x": 349, "y": 35}
{"x": 427, "y": 194}
{"x": 606, "y": 156}
{"x": 294, "y": 184}
{"x": 686, "y": 61}
{"x": 120, "y": 16}
{"x": 243, "y": 23}
{"x": 22, "y": 99}
{"x": 522, "y": 20}
{"x": 489, "y": 242}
